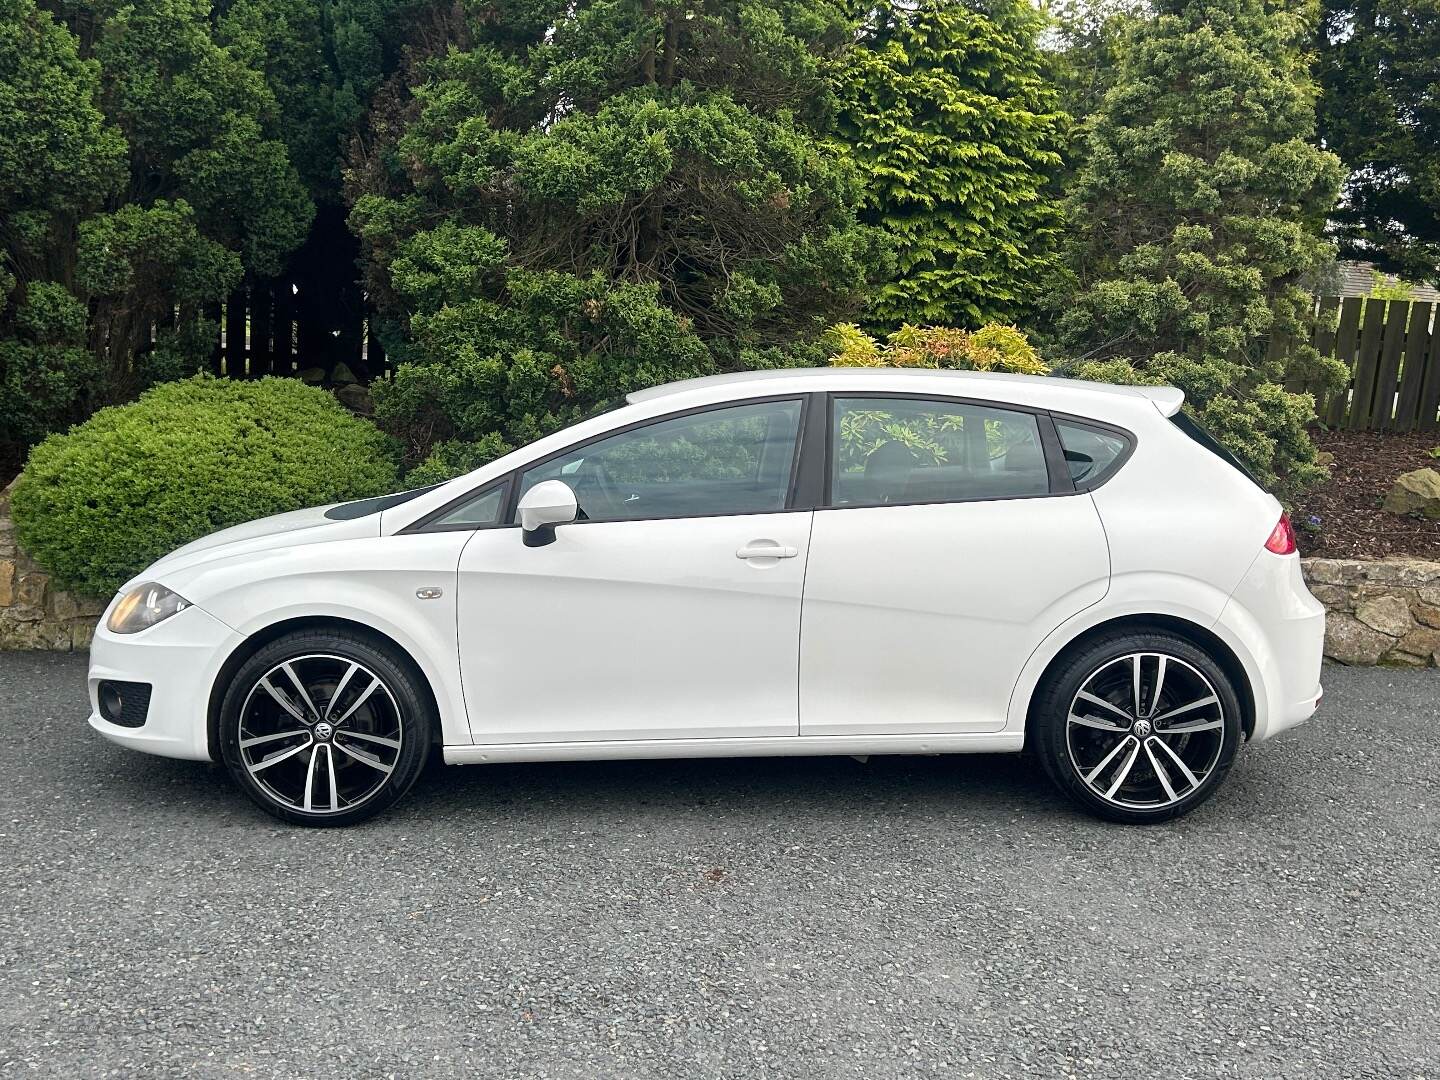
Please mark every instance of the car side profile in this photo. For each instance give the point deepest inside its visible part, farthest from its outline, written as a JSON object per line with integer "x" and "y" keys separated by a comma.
{"x": 798, "y": 562}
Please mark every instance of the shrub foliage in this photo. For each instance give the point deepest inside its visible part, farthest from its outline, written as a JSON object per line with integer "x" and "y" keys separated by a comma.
{"x": 97, "y": 504}
{"x": 1195, "y": 220}
{"x": 564, "y": 201}
{"x": 951, "y": 110}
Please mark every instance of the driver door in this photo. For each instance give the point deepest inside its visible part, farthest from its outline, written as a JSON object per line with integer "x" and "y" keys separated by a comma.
{"x": 669, "y": 610}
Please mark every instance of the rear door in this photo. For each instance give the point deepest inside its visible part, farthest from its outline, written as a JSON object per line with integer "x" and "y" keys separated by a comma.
{"x": 942, "y": 555}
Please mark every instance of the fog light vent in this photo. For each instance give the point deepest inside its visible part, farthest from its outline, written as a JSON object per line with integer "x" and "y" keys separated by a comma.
{"x": 124, "y": 703}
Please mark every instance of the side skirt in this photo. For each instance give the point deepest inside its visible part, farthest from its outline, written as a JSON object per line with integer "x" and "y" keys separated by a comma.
{"x": 1001, "y": 742}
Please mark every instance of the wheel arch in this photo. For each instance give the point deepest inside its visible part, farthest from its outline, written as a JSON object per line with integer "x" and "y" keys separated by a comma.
{"x": 262, "y": 637}
{"x": 1198, "y": 635}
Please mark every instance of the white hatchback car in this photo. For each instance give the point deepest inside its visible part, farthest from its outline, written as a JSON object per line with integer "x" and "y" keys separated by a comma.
{"x": 852, "y": 561}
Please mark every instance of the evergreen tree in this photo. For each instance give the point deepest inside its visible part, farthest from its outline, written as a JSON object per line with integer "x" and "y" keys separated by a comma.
{"x": 1196, "y": 218}
{"x": 952, "y": 112}
{"x": 139, "y": 179}
{"x": 1379, "y": 110}
{"x": 561, "y": 202}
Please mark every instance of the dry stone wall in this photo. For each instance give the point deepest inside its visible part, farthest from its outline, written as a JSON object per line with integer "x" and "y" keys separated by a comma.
{"x": 33, "y": 613}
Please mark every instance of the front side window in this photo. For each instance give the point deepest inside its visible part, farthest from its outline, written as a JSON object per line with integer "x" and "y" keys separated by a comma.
{"x": 734, "y": 460}
{"x": 910, "y": 450}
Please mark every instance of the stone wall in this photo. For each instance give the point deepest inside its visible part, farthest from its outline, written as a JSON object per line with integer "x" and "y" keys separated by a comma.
{"x": 33, "y": 613}
{"x": 1382, "y": 611}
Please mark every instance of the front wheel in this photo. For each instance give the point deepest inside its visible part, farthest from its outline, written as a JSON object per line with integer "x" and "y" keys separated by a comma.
{"x": 1137, "y": 727}
{"x": 325, "y": 727}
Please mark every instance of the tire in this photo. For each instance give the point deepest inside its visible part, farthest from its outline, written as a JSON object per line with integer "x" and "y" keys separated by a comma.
{"x": 326, "y": 727}
{"x": 1137, "y": 763}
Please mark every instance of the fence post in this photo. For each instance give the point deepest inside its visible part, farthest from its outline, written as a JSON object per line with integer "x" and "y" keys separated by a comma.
{"x": 1412, "y": 371}
{"x": 1346, "y": 350}
{"x": 235, "y": 327}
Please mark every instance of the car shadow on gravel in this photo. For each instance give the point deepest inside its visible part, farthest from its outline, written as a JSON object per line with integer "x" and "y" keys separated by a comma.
{"x": 996, "y": 784}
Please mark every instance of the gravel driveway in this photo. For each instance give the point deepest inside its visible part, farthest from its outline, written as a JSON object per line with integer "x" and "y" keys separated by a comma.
{"x": 813, "y": 918}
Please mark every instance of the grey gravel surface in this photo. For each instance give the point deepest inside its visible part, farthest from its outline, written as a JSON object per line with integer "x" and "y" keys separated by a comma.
{"x": 928, "y": 917}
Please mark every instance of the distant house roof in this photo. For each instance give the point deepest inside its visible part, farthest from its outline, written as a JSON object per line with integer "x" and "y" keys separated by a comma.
{"x": 1358, "y": 279}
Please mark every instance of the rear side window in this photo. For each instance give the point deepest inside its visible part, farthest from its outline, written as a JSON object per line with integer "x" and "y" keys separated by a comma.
{"x": 888, "y": 451}
{"x": 1209, "y": 442}
{"x": 1091, "y": 453}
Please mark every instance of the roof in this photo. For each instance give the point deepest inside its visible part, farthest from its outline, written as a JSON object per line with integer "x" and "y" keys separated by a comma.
{"x": 1028, "y": 389}
{"x": 1358, "y": 279}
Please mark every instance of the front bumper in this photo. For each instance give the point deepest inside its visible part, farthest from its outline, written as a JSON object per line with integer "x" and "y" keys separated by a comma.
{"x": 180, "y": 658}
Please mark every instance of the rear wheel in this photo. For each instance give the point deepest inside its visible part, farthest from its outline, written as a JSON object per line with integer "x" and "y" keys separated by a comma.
{"x": 1137, "y": 727}
{"x": 325, "y": 727}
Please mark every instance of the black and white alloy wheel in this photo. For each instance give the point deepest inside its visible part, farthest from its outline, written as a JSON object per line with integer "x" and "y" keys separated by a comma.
{"x": 1138, "y": 728}
{"x": 325, "y": 728}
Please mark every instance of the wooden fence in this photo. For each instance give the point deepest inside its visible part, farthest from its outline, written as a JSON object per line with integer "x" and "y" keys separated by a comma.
{"x": 267, "y": 328}
{"x": 1392, "y": 349}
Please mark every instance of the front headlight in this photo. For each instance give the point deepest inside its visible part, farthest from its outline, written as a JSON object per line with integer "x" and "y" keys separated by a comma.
{"x": 144, "y": 606}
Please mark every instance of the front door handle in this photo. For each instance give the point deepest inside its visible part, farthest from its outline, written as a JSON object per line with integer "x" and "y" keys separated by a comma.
{"x": 767, "y": 549}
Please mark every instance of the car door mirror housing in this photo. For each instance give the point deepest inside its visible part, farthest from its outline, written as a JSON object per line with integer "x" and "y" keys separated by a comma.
{"x": 547, "y": 504}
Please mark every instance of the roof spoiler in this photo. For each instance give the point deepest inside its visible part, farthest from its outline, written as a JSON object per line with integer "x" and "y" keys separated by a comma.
{"x": 1167, "y": 399}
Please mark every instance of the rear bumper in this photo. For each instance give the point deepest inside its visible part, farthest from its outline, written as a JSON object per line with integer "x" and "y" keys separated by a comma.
{"x": 1273, "y": 618}
{"x": 180, "y": 660}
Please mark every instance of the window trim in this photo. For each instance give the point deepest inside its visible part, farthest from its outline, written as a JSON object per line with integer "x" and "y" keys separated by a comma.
{"x": 1119, "y": 461}
{"x": 1058, "y": 481}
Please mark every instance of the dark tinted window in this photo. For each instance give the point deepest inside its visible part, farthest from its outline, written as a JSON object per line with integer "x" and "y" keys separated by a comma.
{"x": 1188, "y": 425}
{"x": 734, "y": 460}
{"x": 911, "y": 450}
{"x": 1090, "y": 453}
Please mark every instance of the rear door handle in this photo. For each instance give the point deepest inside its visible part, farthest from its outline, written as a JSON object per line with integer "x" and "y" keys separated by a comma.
{"x": 767, "y": 549}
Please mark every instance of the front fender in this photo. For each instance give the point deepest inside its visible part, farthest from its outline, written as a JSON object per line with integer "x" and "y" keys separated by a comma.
{"x": 371, "y": 581}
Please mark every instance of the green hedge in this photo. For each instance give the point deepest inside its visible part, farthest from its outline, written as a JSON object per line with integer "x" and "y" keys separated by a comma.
{"x": 99, "y": 503}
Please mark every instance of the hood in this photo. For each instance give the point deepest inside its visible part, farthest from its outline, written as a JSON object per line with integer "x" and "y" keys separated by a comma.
{"x": 310, "y": 526}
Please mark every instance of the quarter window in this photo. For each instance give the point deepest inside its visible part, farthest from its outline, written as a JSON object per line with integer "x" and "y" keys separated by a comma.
{"x": 1090, "y": 453}
{"x": 909, "y": 450}
{"x": 479, "y": 510}
{"x": 734, "y": 460}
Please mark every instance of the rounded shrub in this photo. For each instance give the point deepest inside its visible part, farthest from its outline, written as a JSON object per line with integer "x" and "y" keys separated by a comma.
{"x": 97, "y": 504}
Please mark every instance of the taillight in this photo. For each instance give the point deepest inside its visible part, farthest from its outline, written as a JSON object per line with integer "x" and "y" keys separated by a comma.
{"x": 1282, "y": 537}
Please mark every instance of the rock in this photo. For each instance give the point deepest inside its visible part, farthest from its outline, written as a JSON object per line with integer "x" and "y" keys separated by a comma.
{"x": 1396, "y": 658}
{"x": 1334, "y": 597}
{"x": 1332, "y": 571}
{"x": 30, "y": 592}
{"x": 1349, "y": 641}
{"x": 82, "y": 632}
{"x": 356, "y": 398}
{"x": 1410, "y": 573}
{"x": 36, "y": 635}
{"x": 1430, "y": 595}
{"x": 65, "y": 606}
{"x": 312, "y": 375}
{"x": 341, "y": 375}
{"x": 1425, "y": 614}
{"x": 7, "y": 582}
{"x": 1388, "y": 614}
{"x": 1416, "y": 492}
{"x": 1423, "y": 642}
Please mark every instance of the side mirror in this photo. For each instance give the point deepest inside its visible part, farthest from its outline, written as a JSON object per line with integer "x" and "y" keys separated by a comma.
{"x": 544, "y": 506}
